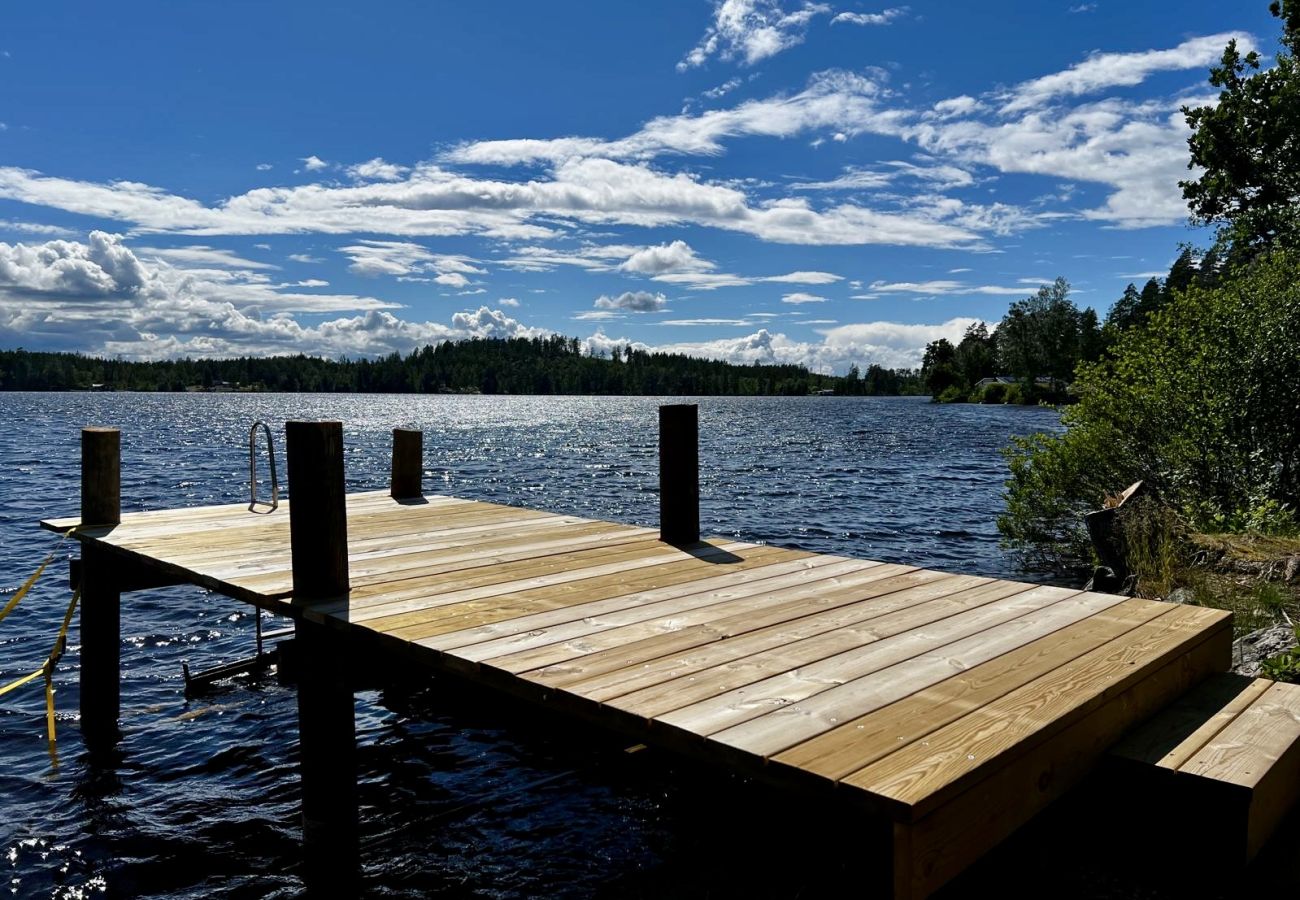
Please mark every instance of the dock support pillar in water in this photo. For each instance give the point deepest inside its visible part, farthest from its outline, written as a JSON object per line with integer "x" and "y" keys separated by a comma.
{"x": 101, "y": 596}
{"x": 679, "y": 473}
{"x": 406, "y": 482}
{"x": 326, "y": 718}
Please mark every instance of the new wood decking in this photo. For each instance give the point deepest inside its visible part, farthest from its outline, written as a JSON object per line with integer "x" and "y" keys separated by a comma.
{"x": 953, "y": 706}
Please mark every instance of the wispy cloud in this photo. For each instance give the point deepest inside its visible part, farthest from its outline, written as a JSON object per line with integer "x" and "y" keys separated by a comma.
{"x": 1108, "y": 70}
{"x": 634, "y": 301}
{"x": 1135, "y": 150}
{"x": 708, "y": 281}
{"x": 884, "y": 17}
{"x": 942, "y": 286}
{"x": 405, "y": 259}
{"x": 751, "y": 31}
{"x": 199, "y": 255}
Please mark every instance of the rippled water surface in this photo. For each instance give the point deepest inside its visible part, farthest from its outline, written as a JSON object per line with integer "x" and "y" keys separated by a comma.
{"x": 460, "y": 795}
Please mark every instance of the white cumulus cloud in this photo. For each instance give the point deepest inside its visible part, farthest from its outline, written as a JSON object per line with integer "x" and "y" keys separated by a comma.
{"x": 674, "y": 257}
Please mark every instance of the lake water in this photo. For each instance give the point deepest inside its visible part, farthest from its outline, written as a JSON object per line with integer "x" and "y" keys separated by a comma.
{"x": 459, "y": 798}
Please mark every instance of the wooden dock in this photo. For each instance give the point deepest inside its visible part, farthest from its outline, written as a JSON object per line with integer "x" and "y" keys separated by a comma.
{"x": 952, "y": 708}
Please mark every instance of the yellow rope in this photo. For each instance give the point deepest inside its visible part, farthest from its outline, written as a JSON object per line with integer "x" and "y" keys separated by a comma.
{"x": 27, "y": 586}
{"x": 47, "y": 667}
{"x": 30, "y": 582}
{"x": 56, "y": 652}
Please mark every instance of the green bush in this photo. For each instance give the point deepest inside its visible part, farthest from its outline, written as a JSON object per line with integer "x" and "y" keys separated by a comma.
{"x": 994, "y": 393}
{"x": 1284, "y": 666}
{"x": 952, "y": 394}
{"x": 1202, "y": 404}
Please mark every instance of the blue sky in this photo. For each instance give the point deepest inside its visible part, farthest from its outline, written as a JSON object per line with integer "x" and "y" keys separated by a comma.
{"x": 823, "y": 183}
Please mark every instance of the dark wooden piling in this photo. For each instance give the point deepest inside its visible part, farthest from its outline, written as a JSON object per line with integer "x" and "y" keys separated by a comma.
{"x": 406, "y": 482}
{"x": 326, "y": 720}
{"x": 318, "y": 523}
{"x": 101, "y": 596}
{"x": 679, "y": 473}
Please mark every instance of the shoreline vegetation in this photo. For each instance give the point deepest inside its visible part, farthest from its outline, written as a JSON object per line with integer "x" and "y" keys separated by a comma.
{"x": 1032, "y": 354}
{"x": 553, "y": 365}
{"x": 1195, "y": 392}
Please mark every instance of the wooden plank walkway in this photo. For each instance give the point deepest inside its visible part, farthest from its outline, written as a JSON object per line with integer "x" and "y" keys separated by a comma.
{"x": 953, "y": 706}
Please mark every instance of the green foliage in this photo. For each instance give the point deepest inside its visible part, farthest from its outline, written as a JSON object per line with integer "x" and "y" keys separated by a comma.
{"x": 1019, "y": 395}
{"x": 1201, "y": 404}
{"x": 1247, "y": 145}
{"x": 994, "y": 393}
{"x": 1259, "y": 515}
{"x": 953, "y": 393}
{"x": 1284, "y": 666}
{"x": 939, "y": 367}
{"x": 1046, "y": 335}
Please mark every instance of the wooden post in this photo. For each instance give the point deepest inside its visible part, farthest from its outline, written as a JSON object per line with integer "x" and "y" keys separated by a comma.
{"x": 406, "y": 482}
{"x": 679, "y": 473}
{"x": 101, "y": 596}
{"x": 318, "y": 521}
{"x": 326, "y": 720}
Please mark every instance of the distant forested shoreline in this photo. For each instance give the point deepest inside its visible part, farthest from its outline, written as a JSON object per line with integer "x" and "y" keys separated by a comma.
{"x": 550, "y": 365}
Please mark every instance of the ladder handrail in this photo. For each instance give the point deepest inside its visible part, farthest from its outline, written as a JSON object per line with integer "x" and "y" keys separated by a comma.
{"x": 252, "y": 467}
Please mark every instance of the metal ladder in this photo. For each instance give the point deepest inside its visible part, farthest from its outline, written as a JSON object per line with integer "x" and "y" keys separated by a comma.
{"x": 196, "y": 682}
{"x": 253, "y": 502}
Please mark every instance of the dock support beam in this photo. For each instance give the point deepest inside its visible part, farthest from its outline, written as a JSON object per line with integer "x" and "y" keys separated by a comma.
{"x": 101, "y": 596}
{"x": 326, "y": 720}
{"x": 406, "y": 482}
{"x": 679, "y": 473}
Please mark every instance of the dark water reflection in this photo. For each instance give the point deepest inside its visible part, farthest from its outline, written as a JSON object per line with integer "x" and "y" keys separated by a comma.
{"x": 457, "y": 797}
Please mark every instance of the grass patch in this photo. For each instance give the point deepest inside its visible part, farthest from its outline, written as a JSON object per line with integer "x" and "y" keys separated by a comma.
{"x": 1243, "y": 573}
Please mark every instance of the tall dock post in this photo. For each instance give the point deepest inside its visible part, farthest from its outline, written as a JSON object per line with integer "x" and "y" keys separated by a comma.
{"x": 101, "y": 595}
{"x": 406, "y": 482}
{"x": 679, "y": 473}
{"x": 326, "y": 719}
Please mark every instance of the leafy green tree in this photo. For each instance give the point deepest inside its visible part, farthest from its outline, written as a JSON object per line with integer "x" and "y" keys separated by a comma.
{"x": 1248, "y": 146}
{"x": 1039, "y": 336}
{"x": 976, "y": 355}
{"x": 938, "y": 366}
{"x": 1200, "y": 404}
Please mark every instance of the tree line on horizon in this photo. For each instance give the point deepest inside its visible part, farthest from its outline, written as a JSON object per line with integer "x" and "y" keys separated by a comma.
{"x": 541, "y": 365}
